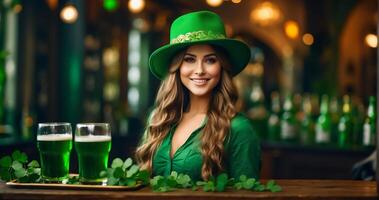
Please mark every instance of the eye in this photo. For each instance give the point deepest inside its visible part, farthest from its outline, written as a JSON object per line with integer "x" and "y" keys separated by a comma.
{"x": 189, "y": 59}
{"x": 211, "y": 60}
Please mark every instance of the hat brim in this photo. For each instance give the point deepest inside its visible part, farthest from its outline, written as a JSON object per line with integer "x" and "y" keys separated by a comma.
{"x": 238, "y": 52}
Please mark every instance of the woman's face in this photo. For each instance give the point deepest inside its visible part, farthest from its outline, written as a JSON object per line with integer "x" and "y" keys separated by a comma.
{"x": 200, "y": 71}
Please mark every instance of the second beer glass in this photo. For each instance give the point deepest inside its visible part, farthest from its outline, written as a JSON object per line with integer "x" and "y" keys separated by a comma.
{"x": 92, "y": 144}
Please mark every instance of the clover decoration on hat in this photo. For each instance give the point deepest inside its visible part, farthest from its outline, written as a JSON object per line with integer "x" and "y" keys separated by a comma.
{"x": 202, "y": 27}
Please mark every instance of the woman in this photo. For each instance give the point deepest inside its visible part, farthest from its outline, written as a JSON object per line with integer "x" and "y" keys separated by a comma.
{"x": 195, "y": 128}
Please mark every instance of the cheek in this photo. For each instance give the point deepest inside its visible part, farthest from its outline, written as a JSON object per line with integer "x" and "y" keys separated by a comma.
{"x": 184, "y": 70}
{"x": 184, "y": 73}
{"x": 215, "y": 71}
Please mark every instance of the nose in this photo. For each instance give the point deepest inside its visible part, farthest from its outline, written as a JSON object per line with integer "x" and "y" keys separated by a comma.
{"x": 199, "y": 70}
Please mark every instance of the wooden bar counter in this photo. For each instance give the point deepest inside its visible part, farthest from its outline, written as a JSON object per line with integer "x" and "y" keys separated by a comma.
{"x": 292, "y": 189}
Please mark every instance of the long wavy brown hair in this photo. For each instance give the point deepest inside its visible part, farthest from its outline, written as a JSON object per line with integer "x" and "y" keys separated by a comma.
{"x": 173, "y": 100}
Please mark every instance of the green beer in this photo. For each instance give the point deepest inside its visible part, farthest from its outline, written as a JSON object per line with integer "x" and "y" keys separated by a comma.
{"x": 54, "y": 152}
{"x": 93, "y": 152}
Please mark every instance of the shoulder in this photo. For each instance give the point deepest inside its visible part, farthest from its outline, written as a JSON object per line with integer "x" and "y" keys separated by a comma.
{"x": 240, "y": 122}
{"x": 241, "y": 128}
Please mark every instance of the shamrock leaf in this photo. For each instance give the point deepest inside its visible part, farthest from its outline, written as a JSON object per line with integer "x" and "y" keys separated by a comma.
{"x": 144, "y": 176}
{"x": 209, "y": 186}
{"x": 248, "y": 184}
{"x": 16, "y": 165}
{"x": 5, "y": 175}
{"x": 33, "y": 164}
{"x": 221, "y": 182}
{"x": 243, "y": 178}
{"x": 131, "y": 182}
{"x": 174, "y": 174}
{"x": 183, "y": 180}
{"x": 118, "y": 172}
{"x": 6, "y": 161}
{"x": 133, "y": 170}
{"x": 128, "y": 162}
{"x": 103, "y": 174}
{"x": 112, "y": 181}
{"x": 21, "y": 172}
{"x": 260, "y": 188}
{"x": 117, "y": 162}
{"x": 238, "y": 185}
{"x": 273, "y": 187}
{"x": 19, "y": 156}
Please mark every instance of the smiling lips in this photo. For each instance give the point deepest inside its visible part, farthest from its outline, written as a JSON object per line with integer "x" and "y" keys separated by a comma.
{"x": 199, "y": 81}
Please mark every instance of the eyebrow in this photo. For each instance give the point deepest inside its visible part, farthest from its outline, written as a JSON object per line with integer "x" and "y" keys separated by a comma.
{"x": 208, "y": 55}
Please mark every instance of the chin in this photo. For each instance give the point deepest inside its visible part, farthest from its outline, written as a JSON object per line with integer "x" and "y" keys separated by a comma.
{"x": 200, "y": 93}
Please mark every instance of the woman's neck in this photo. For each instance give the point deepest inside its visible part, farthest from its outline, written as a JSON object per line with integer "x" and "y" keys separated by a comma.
{"x": 199, "y": 104}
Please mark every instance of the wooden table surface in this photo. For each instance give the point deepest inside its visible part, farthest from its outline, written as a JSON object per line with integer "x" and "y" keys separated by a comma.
{"x": 292, "y": 189}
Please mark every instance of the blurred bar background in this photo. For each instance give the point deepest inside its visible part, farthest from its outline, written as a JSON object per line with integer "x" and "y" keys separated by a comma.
{"x": 309, "y": 88}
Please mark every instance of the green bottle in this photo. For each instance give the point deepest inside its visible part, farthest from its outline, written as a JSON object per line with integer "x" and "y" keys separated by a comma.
{"x": 2, "y": 90}
{"x": 335, "y": 114}
{"x": 358, "y": 114}
{"x": 297, "y": 105}
{"x": 257, "y": 111}
{"x": 307, "y": 131}
{"x": 3, "y": 54}
{"x": 288, "y": 125}
{"x": 274, "y": 118}
{"x": 369, "y": 127}
{"x": 345, "y": 125}
{"x": 324, "y": 122}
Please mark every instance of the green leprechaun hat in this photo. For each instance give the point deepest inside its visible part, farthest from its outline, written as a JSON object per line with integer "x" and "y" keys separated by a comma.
{"x": 202, "y": 27}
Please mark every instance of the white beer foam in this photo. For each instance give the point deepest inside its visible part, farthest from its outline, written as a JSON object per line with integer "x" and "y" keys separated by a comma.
{"x": 54, "y": 137}
{"x": 93, "y": 138}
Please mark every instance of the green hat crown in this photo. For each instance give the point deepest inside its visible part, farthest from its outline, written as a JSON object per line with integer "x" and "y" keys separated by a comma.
{"x": 202, "y": 27}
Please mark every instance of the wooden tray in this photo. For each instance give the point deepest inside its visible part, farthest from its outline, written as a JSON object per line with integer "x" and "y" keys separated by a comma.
{"x": 14, "y": 184}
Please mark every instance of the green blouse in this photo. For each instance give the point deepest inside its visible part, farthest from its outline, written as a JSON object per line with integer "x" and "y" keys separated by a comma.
{"x": 242, "y": 152}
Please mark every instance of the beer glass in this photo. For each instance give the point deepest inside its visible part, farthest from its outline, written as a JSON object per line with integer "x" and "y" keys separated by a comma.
{"x": 54, "y": 142}
{"x": 92, "y": 144}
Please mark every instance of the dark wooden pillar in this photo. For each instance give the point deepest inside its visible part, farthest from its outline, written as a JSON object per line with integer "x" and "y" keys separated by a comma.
{"x": 70, "y": 66}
